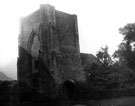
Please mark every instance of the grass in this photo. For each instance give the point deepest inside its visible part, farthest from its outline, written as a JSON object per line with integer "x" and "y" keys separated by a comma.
{"x": 123, "y": 101}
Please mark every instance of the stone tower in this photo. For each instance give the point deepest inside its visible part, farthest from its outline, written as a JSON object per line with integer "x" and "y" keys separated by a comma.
{"x": 49, "y": 51}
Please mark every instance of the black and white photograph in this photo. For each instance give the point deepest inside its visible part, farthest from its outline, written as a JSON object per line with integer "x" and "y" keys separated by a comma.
{"x": 67, "y": 53}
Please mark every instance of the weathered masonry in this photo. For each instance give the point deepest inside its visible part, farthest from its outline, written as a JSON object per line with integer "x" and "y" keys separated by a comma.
{"x": 49, "y": 52}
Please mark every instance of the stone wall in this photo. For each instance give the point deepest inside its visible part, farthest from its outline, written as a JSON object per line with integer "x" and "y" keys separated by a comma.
{"x": 49, "y": 47}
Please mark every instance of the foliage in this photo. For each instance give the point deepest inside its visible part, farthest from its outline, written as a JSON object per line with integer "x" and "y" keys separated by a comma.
{"x": 128, "y": 31}
{"x": 4, "y": 92}
{"x": 114, "y": 76}
{"x": 126, "y": 50}
{"x": 104, "y": 56}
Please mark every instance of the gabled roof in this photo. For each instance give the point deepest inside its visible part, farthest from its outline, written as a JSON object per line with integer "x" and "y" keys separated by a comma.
{"x": 89, "y": 59}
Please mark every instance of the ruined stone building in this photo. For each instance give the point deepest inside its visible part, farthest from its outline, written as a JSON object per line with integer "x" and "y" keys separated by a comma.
{"x": 49, "y": 53}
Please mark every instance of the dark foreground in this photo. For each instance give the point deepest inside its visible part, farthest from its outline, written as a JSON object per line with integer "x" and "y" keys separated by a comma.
{"x": 122, "y": 101}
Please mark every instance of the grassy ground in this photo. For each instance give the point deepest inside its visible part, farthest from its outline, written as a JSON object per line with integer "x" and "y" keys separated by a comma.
{"x": 123, "y": 101}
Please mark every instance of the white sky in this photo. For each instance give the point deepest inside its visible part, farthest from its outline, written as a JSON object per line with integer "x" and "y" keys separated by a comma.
{"x": 98, "y": 22}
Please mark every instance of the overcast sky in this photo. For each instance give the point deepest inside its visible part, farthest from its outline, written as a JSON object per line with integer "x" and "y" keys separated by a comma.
{"x": 98, "y": 22}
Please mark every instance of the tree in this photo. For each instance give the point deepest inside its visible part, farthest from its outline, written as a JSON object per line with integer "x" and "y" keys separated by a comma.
{"x": 128, "y": 31}
{"x": 126, "y": 50}
{"x": 104, "y": 56}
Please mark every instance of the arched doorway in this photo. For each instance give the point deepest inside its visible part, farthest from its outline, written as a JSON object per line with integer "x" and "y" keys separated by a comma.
{"x": 70, "y": 90}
